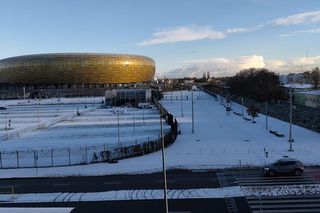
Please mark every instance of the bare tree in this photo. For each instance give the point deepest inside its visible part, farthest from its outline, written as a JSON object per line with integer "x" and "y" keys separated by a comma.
{"x": 253, "y": 111}
{"x": 315, "y": 77}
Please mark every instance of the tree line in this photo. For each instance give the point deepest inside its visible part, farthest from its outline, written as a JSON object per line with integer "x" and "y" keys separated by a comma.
{"x": 259, "y": 84}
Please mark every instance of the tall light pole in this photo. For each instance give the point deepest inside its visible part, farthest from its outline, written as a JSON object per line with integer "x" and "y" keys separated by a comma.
{"x": 163, "y": 162}
{"x": 290, "y": 118}
{"x": 118, "y": 112}
{"x": 242, "y": 107}
{"x": 192, "y": 111}
{"x": 118, "y": 129}
{"x": 181, "y": 102}
{"x": 143, "y": 116}
{"x": 266, "y": 115}
{"x": 134, "y": 122}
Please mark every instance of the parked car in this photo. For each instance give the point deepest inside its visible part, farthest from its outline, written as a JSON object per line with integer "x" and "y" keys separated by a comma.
{"x": 284, "y": 166}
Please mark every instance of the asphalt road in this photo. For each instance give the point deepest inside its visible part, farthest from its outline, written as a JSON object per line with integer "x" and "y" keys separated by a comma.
{"x": 177, "y": 179}
{"x": 138, "y": 206}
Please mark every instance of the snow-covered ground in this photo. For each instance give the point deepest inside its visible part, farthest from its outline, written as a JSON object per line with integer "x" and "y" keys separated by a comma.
{"x": 49, "y": 134}
{"x": 35, "y": 210}
{"x": 133, "y": 194}
{"x": 220, "y": 139}
{"x": 144, "y": 194}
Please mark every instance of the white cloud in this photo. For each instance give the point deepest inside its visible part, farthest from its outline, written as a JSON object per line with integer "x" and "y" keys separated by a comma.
{"x": 300, "y": 18}
{"x": 219, "y": 67}
{"x": 237, "y": 30}
{"x": 179, "y": 34}
{"x": 316, "y": 30}
{"x": 246, "y": 29}
{"x": 285, "y": 35}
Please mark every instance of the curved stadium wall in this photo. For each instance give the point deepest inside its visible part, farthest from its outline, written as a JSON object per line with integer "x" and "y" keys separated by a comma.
{"x": 76, "y": 69}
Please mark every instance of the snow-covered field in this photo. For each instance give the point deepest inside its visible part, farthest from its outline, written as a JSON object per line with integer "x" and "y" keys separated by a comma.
{"x": 221, "y": 139}
{"x": 49, "y": 134}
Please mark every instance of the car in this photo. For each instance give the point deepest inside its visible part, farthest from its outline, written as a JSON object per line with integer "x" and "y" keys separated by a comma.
{"x": 284, "y": 166}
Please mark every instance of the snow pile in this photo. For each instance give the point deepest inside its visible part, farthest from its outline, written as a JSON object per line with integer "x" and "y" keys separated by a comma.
{"x": 284, "y": 190}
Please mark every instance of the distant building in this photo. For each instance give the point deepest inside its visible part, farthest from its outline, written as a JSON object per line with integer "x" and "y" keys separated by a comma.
{"x": 124, "y": 97}
{"x": 298, "y": 87}
{"x": 308, "y": 98}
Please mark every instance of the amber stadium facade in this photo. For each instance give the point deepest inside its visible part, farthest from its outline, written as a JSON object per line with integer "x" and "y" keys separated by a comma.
{"x": 72, "y": 74}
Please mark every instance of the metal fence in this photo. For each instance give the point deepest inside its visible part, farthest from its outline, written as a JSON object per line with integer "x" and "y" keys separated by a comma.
{"x": 68, "y": 156}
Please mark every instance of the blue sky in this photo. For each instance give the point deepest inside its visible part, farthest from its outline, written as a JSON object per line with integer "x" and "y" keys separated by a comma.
{"x": 184, "y": 37}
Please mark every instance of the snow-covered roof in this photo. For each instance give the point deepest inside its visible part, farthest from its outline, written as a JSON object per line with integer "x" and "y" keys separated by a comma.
{"x": 298, "y": 86}
{"x": 311, "y": 92}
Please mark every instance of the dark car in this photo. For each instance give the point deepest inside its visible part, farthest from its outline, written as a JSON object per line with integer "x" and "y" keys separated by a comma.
{"x": 284, "y": 166}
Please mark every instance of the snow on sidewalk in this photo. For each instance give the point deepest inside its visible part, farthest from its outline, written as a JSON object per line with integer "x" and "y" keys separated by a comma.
{"x": 144, "y": 194}
{"x": 35, "y": 210}
{"x": 233, "y": 191}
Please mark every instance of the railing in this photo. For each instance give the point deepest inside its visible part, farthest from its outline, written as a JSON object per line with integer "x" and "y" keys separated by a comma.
{"x": 67, "y": 156}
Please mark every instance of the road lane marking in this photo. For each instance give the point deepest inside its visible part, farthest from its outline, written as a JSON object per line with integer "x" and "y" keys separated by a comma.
{"x": 61, "y": 184}
{"x": 168, "y": 181}
{"x": 111, "y": 183}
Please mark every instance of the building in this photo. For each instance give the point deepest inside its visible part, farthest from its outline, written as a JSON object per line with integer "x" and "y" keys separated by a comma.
{"x": 68, "y": 74}
{"x": 308, "y": 98}
{"x": 132, "y": 97}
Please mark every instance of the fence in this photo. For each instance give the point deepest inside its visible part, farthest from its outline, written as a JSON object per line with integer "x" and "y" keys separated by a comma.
{"x": 302, "y": 116}
{"x": 68, "y": 156}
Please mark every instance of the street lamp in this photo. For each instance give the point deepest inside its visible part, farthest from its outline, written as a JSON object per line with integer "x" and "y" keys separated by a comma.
{"x": 163, "y": 161}
{"x": 290, "y": 124}
{"x": 118, "y": 112}
{"x": 242, "y": 107}
{"x": 181, "y": 102}
{"x": 192, "y": 111}
{"x": 134, "y": 122}
{"x": 266, "y": 115}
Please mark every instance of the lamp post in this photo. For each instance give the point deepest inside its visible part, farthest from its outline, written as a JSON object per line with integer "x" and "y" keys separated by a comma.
{"x": 163, "y": 162}
{"x": 242, "y": 107}
{"x": 192, "y": 111}
{"x": 134, "y": 122}
{"x": 143, "y": 116}
{"x": 266, "y": 115}
{"x": 290, "y": 124}
{"x": 181, "y": 102}
{"x": 118, "y": 112}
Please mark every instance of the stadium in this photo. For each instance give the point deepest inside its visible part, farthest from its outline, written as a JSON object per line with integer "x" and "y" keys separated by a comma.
{"x": 72, "y": 74}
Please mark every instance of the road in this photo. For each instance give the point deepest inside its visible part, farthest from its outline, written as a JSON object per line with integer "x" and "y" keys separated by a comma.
{"x": 177, "y": 179}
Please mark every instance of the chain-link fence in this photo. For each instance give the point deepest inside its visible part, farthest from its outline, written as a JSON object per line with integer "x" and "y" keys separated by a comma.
{"x": 78, "y": 155}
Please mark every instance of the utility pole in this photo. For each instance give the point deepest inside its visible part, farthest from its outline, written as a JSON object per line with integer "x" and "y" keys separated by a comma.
{"x": 163, "y": 163}
{"x": 266, "y": 115}
{"x": 118, "y": 129}
{"x": 134, "y": 122}
{"x": 242, "y": 107}
{"x": 192, "y": 111}
{"x": 290, "y": 124}
{"x": 181, "y": 102}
